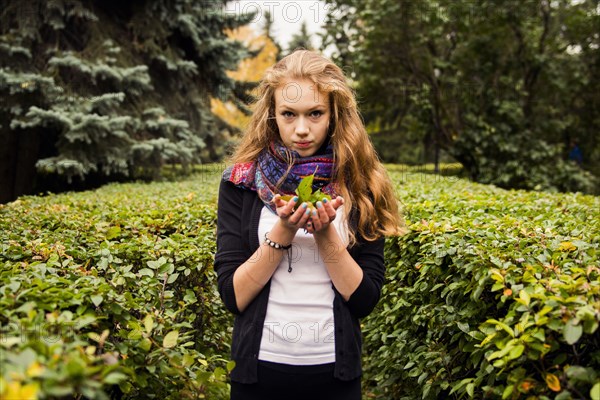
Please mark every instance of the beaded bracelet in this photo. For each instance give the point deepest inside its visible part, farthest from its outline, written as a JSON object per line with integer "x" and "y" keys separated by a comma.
{"x": 279, "y": 246}
{"x": 275, "y": 244}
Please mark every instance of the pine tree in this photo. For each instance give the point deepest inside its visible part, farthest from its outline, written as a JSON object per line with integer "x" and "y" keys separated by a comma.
{"x": 94, "y": 90}
{"x": 301, "y": 39}
{"x": 267, "y": 30}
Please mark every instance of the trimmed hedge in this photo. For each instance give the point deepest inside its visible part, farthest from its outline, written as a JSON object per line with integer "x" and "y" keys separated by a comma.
{"x": 492, "y": 294}
{"x": 111, "y": 294}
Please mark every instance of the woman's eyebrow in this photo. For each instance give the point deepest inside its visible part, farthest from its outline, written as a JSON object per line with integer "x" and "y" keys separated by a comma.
{"x": 318, "y": 107}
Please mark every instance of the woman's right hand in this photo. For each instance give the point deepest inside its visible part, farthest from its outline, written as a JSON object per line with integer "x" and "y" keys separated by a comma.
{"x": 291, "y": 219}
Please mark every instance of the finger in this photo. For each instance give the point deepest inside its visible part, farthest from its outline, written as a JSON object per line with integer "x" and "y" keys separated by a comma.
{"x": 305, "y": 216}
{"x": 315, "y": 220}
{"x": 288, "y": 207}
{"x": 331, "y": 214}
{"x": 279, "y": 201}
{"x": 329, "y": 210}
{"x": 322, "y": 214}
{"x": 309, "y": 226}
{"x": 291, "y": 204}
{"x": 300, "y": 215}
{"x": 305, "y": 219}
{"x": 338, "y": 202}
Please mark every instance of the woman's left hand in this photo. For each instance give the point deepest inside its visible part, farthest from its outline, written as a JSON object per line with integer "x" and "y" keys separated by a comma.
{"x": 323, "y": 215}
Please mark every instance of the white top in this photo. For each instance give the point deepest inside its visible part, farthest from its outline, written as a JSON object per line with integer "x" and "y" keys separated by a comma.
{"x": 298, "y": 327}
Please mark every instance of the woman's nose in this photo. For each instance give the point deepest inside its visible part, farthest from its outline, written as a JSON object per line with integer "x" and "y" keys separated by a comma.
{"x": 301, "y": 126}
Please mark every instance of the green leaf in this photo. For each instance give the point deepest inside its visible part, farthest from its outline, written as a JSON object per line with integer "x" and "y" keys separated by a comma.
{"x": 59, "y": 391}
{"x": 523, "y": 295}
{"x": 319, "y": 196}
{"x": 463, "y": 326}
{"x": 113, "y": 232}
{"x": 188, "y": 360}
{"x": 97, "y": 299}
{"x": 172, "y": 278}
{"x": 75, "y": 367}
{"x": 595, "y": 392}
{"x": 507, "y": 392}
{"x": 590, "y": 326}
{"x": 501, "y": 325}
{"x": 145, "y": 344}
{"x": 190, "y": 297}
{"x": 580, "y": 373}
{"x": 230, "y": 366}
{"x": 572, "y": 333}
{"x": 564, "y": 395}
{"x": 219, "y": 373}
{"x": 134, "y": 334}
{"x": 157, "y": 263}
{"x": 114, "y": 378}
{"x": 149, "y": 323}
{"x": 84, "y": 321}
{"x": 516, "y": 351}
{"x": 470, "y": 389}
{"x": 304, "y": 189}
{"x": 146, "y": 271}
{"x": 170, "y": 339}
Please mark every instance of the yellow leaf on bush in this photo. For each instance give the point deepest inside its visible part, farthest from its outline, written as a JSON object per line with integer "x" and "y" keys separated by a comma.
{"x": 29, "y": 392}
{"x": 170, "y": 340}
{"x": 567, "y": 246}
{"x": 35, "y": 369}
{"x": 16, "y": 391}
{"x": 523, "y": 295}
{"x": 553, "y": 382}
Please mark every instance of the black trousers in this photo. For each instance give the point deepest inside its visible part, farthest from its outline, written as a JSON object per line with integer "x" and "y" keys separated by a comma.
{"x": 293, "y": 382}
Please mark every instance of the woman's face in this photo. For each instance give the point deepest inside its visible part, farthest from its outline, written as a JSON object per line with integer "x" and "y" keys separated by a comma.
{"x": 302, "y": 115}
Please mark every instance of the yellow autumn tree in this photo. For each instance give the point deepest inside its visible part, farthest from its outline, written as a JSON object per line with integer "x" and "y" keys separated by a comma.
{"x": 249, "y": 70}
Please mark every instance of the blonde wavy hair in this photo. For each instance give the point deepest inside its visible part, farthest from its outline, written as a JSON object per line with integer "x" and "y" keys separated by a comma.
{"x": 362, "y": 179}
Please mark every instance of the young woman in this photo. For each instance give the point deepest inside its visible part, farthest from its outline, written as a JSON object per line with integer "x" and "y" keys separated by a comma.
{"x": 298, "y": 278}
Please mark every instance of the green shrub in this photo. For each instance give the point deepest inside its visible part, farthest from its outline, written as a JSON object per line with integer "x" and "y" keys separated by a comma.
{"x": 492, "y": 294}
{"x": 111, "y": 293}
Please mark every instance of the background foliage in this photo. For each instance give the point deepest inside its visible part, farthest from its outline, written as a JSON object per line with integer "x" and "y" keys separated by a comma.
{"x": 111, "y": 294}
{"x": 94, "y": 91}
{"x": 492, "y": 294}
{"x": 503, "y": 87}
{"x": 249, "y": 70}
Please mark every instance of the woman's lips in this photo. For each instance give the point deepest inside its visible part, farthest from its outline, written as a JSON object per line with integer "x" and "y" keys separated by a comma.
{"x": 303, "y": 144}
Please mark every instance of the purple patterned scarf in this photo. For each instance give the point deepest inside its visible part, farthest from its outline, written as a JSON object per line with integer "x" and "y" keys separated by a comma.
{"x": 263, "y": 174}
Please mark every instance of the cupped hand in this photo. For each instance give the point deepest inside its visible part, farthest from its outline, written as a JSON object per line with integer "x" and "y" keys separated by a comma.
{"x": 291, "y": 219}
{"x": 323, "y": 215}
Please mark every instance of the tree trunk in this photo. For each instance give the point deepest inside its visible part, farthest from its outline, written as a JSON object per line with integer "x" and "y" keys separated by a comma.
{"x": 19, "y": 152}
{"x": 8, "y": 158}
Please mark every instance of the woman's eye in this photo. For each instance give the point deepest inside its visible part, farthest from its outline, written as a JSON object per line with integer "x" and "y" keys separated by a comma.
{"x": 287, "y": 114}
{"x": 316, "y": 114}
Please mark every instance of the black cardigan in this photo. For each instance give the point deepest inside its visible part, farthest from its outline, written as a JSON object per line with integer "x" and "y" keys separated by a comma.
{"x": 238, "y": 216}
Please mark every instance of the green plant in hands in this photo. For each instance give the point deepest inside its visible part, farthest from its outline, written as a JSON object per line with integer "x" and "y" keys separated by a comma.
{"x": 305, "y": 193}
